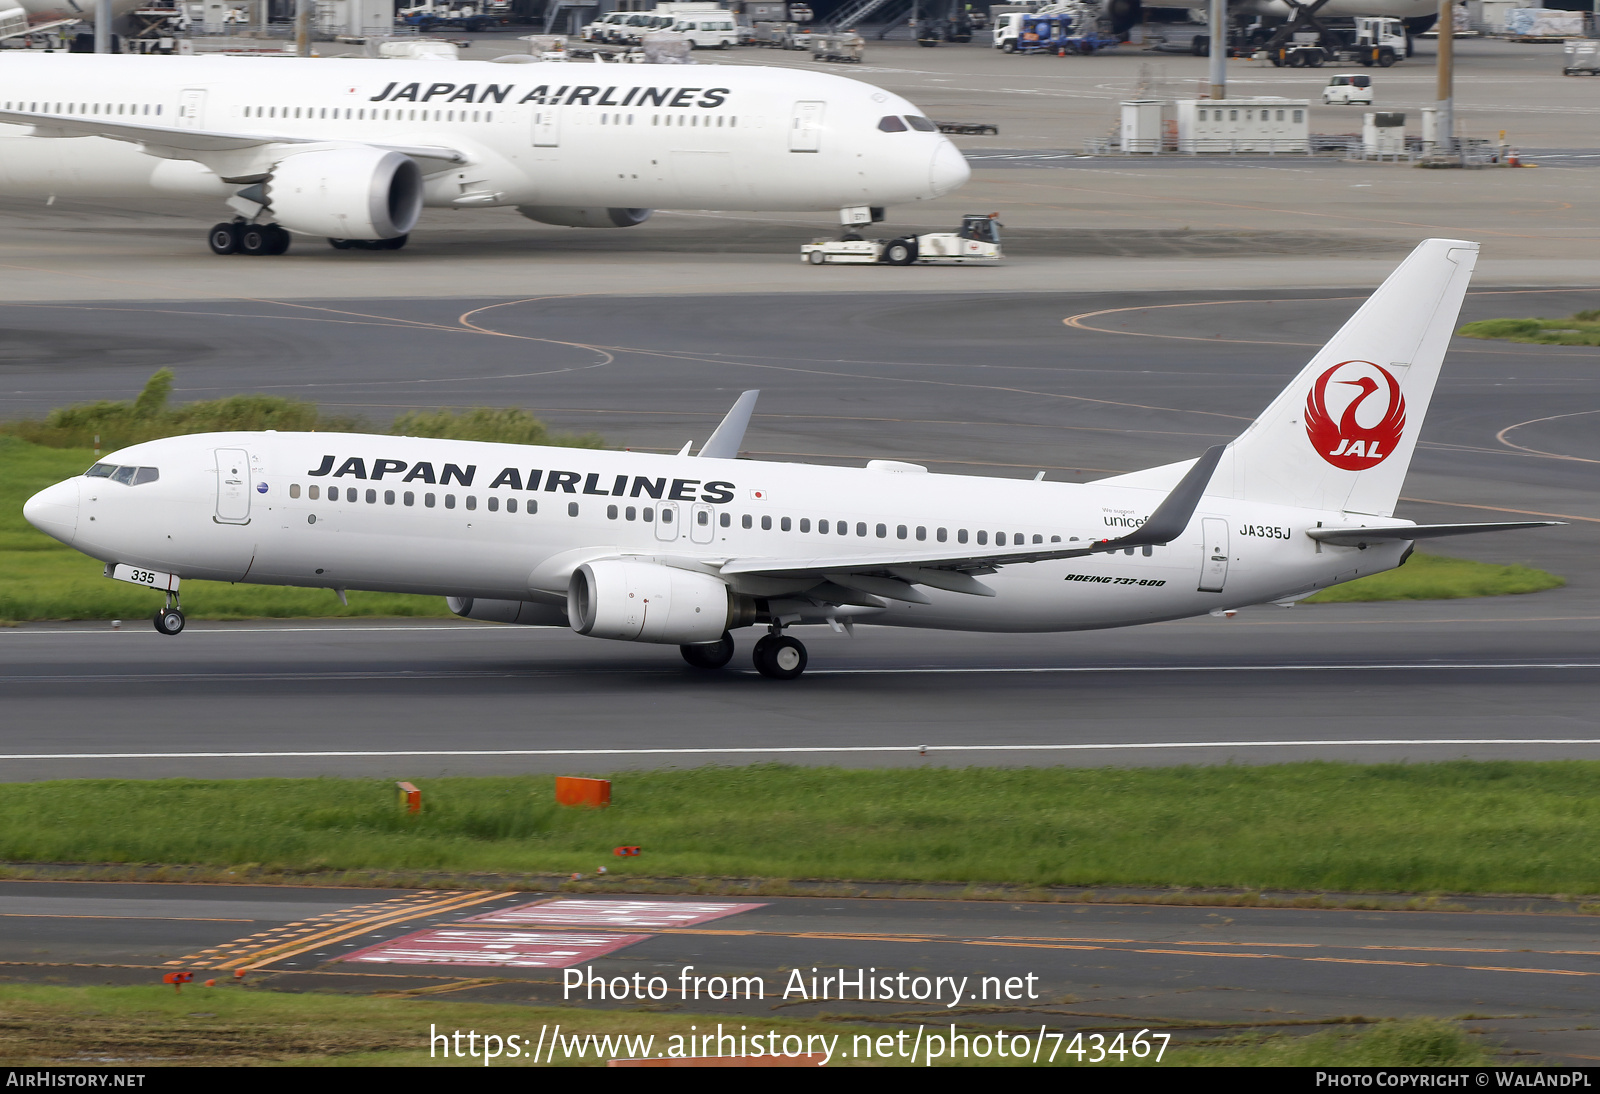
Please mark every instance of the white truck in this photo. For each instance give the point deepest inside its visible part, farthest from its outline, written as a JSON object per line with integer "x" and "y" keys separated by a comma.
{"x": 975, "y": 243}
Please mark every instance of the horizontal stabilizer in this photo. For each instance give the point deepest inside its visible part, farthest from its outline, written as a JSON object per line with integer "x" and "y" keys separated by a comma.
{"x": 1355, "y": 537}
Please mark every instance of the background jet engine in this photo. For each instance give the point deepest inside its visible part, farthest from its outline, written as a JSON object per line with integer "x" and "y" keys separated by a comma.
{"x": 527, "y": 612}
{"x": 634, "y": 601}
{"x": 346, "y": 193}
{"x": 571, "y": 216}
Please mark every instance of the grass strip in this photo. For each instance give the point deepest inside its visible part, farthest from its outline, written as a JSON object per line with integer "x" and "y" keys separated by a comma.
{"x": 49, "y": 580}
{"x": 234, "y": 1026}
{"x": 1582, "y": 329}
{"x": 1458, "y": 827}
{"x": 1436, "y": 577}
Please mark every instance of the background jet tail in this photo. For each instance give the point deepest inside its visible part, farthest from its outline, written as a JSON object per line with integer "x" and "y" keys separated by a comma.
{"x": 1340, "y": 437}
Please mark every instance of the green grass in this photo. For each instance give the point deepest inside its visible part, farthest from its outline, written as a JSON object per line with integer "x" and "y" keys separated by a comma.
{"x": 242, "y": 1026}
{"x": 1417, "y": 828}
{"x": 1436, "y": 577}
{"x": 1582, "y": 329}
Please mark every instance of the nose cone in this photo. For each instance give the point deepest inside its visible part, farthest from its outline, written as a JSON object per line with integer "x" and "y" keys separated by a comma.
{"x": 54, "y": 510}
{"x": 949, "y": 169}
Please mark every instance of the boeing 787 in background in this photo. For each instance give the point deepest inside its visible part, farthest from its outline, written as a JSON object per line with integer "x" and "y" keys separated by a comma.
{"x": 353, "y": 150}
{"x": 684, "y": 550}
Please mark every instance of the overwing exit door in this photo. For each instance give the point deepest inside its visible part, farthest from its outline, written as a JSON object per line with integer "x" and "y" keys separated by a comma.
{"x": 667, "y": 521}
{"x": 704, "y": 528}
{"x": 1214, "y": 563}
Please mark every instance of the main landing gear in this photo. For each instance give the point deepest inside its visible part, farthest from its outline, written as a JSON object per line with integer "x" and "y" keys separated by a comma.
{"x": 776, "y": 655}
{"x": 169, "y": 620}
{"x": 241, "y": 237}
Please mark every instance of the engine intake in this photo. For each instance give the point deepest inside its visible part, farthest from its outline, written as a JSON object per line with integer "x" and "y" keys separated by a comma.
{"x": 632, "y": 601}
{"x": 346, "y": 193}
{"x": 526, "y": 612}
{"x": 571, "y": 216}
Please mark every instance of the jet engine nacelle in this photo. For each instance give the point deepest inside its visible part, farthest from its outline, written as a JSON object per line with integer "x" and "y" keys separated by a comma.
{"x": 526, "y": 612}
{"x": 346, "y": 193}
{"x": 572, "y": 216}
{"x": 633, "y": 601}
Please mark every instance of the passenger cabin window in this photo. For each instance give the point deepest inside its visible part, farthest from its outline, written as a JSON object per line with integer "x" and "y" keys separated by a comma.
{"x": 294, "y": 490}
{"x": 572, "y": 508}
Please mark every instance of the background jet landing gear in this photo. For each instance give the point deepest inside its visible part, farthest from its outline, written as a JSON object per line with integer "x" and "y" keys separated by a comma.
{"x": 241, "y": 237}
{"x": 709, "y": 655}
{"x": 779, "y": 657}
{"x": 368, "y": 244}
{"x": 169, "y": 620}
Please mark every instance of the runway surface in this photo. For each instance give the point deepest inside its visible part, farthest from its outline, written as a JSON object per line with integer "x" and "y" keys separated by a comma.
{"x": 1191, "y": 972}
{"x": 1087, "y": 385}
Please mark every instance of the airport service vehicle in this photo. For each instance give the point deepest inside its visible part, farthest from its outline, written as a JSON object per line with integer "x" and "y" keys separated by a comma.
{"x": 1348, "y": 89}
{"x": 1580, "y": 57}
{"x": 976, "y": 243}
{"x": 709, "y": 32}
{"x": 686, "y": 549}
{"x": 353, "y": 150}
{"x": 1417, "y": 15}
{"x": 19, "y": 17}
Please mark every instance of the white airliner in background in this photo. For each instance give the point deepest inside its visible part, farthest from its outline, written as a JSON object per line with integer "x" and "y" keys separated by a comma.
{"x": 354, "y": 149}
{"x": 685, "y": 549}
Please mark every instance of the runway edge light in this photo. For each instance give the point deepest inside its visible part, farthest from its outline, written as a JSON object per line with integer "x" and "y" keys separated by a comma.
{"x": 410, "y": 797}
{"x": 593, "y": 793}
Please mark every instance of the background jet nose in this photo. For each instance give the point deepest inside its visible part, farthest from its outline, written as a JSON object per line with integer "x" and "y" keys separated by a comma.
{"x": 949, "y": 169}
{"x": 54, "y": 510}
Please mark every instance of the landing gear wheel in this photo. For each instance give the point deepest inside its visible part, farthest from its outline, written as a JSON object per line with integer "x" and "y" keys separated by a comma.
{"x": 902, "y": 252}
{"x": 255, "y": 239}
{"x": 779, "y": 657}
{"x": 709, "y": 655}
{"x": 280, "y": 240}
{"x": 341, "y": 244}
{"x": 168, "y": 620}
{"x": 224, "y": 238}
{"x": 390, "y": 244}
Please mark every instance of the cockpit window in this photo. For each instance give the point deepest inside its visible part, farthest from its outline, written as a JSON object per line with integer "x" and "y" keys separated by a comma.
{"x": 922, "y": 125}
{"x": 127, "y": 476}
{"x": 891, "y": 124}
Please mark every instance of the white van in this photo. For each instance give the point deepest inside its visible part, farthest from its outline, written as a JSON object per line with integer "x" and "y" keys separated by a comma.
{"x": 714, "y": 32}
{"x": 598, "y": 30}
{"x": 1350, "y": 89}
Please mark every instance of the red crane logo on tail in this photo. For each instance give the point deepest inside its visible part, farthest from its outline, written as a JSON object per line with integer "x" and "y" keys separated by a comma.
{"x": 1368, "y": 427}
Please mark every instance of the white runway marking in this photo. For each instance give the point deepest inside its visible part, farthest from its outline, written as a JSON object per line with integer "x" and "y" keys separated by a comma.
{"x": 795, "y": 749}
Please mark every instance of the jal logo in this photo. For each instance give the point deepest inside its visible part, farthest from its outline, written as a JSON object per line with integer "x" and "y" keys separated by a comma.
{"x": 1355, "y": 415}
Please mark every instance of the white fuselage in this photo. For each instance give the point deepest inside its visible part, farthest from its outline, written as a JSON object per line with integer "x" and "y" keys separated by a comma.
{"x": 512, "y": 523}
{"x": 628, "y": 136}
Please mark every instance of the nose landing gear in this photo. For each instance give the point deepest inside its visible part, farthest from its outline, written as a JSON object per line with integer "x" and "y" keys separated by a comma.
{"x": 779, "y": 657}
{"x": 169, "y": 620}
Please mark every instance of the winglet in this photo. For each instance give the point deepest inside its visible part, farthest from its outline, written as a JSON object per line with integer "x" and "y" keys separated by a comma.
{"x": 1172, "y": 516}
{"x": 724, "y": 443}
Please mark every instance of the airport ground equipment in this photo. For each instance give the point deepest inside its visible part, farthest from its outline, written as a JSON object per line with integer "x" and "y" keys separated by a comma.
{"x": 1580, "y": 57}
{"x": 969, "y": 129}
{"x": 1348, "y": 89}
{"x": 975, "y": 243}
{"x": 1368, "y": 40}
{"x": 843, "y": 47}
{"x": 1383, "y": 134}
{"x": 1244, "y": 125}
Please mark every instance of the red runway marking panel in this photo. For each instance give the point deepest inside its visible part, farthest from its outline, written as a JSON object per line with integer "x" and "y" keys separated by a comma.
{"x": 619, "y": 914}
{"x": 502, "y": 949}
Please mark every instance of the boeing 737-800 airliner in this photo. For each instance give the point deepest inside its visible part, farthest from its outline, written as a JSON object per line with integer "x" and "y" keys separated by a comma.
{"x": 354, "y": 149}
{"x": 686, "y": 549}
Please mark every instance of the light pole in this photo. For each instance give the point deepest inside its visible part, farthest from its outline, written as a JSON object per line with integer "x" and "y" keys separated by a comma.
{"x": 302, "y": 27}
{"x": 1219, "y": 48}
{"x": 102, "y": 26}
{"x": 1446, "y": 136}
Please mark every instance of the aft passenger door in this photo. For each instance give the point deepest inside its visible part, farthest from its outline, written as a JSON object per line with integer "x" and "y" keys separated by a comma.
{"x": 1214, "y": 562}
{"x": 805, "y": 127}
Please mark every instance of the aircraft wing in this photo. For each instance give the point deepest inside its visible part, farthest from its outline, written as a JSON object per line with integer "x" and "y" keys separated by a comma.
{"x": 1356, "y": 537}
{"x": 176, "y": 142}
{"x": 892, "y": 575}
